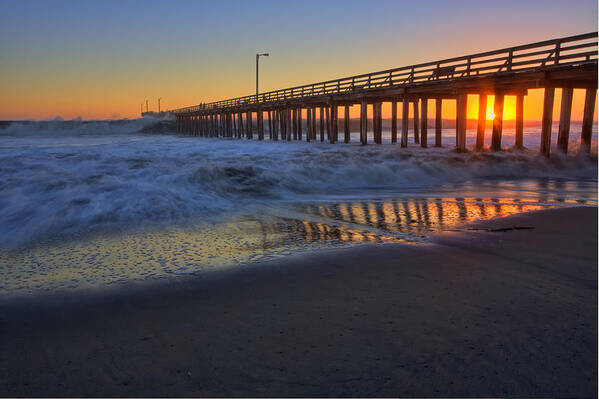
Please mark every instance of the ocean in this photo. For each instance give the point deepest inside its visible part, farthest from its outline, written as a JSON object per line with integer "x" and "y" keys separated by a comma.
{"x": 98, "y": 203}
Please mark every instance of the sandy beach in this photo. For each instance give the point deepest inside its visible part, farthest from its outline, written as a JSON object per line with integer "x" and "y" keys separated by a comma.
{"x": 506, "y": 307}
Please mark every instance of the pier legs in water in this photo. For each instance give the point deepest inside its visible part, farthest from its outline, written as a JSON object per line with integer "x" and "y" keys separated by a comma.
{"x": 404, "y": 122}
{"x": 520, "y": 121}
{"x": 547, "y": 121}
{"x": 346, "y": 121}
{"x": 587, "y": 119}
{"x": 482, "y": 121}
{"x": 289, "y": 120}
{"x": 438, "y": 121}
{"x": 334, "y": 123}
{"x": 363, "y": 123}
{"x": 314, "y": 123}
{"x": 497, "y": 122}
{"x": 260, "y": 119}
{"x": 321, "y": 120}
{"x": 416, "y": 122}
{"x": 424, "y": 122}
{"x": 377, "y": 122}
{"x": 461, "y": 114}
{"x": 563, "y": 133}
{"x": 328, "y": 112}
{"x": 394, "y": 121}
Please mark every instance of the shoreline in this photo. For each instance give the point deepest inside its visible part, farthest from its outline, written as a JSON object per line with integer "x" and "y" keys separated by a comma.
{"x": 93, "y": 292}
{"x": 478, "y": 313}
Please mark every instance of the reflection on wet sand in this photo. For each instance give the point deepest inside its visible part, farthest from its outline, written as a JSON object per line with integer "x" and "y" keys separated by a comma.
{"x": 402, "y": 219}
{"x": 112, "y": 258}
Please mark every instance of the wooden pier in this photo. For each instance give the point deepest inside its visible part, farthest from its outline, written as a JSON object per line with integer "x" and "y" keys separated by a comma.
{"x": 566, "y": 63}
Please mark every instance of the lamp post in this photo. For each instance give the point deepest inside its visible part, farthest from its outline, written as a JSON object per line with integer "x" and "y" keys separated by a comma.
{"x": 159, "y": 98}
{"x": 258, "y": 58}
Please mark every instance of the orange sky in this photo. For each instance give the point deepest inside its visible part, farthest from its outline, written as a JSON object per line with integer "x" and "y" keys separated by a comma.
{"x": 99, "y": 60}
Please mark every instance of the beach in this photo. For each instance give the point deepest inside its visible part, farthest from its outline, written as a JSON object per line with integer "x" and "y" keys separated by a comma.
{"x": 505, "y": 307}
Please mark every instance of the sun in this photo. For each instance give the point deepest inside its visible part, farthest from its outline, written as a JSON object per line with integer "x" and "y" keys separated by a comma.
{"x": 490, "y": 116}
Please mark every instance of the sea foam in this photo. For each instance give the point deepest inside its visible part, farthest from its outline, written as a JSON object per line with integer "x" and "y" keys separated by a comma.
{"x": 70, "y": 177}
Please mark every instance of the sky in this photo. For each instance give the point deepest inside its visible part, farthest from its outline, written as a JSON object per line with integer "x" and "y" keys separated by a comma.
{"x": 103, "y": 59}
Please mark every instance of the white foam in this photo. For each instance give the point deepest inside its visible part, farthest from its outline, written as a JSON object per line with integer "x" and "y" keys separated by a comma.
{"x": 72, "y": 176}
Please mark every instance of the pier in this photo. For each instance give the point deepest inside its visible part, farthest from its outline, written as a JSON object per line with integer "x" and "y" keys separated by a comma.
{"x": 567, "y": 63}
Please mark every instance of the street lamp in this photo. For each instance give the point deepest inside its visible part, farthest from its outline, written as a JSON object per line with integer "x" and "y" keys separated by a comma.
{"x": 257, "y": 58}
{"x": 159, "y": 98}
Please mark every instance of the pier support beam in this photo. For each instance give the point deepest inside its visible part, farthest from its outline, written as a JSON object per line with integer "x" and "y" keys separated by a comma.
{"x": 438, "y": 121}
{"x": 587, "y": 119}
{"x": 461, "y": 115}
{"x": 321, "y": 124}
{"x": 299, "y": 124}
{"x": 363, "y": 123}
{"x": 377, "y": 121}
{"x": 229, "y": 124}
{"x": 294, "y": 122}
{"x": 346, "y": 121}
{"x": 270, "y": 124}
{"x": 328, "y": 124}
{"x": 497, "y": 122}
{"x": 220, "y": 124}
{"x": 394, "y": 121}
{"x": 416, "y": 122}
{"x": 334, "y": 123}
{"x": 314, "y": 123}
{"x": 260, "y": 120}
{"x": 424, "y": 122}
{"x": 234, "y": 118}
{"x": 283, "y": 122}
{"x": 308, "y": 125}
{"x": 547, "y": 121}
{"x": 288, "y": 122}
{"x": 482, "y": 121}
{"x": 520, "y": 121}
{"x": 563, "y": 133}
{"x": 405, "y": 112}
{"x": 275, "y": 124}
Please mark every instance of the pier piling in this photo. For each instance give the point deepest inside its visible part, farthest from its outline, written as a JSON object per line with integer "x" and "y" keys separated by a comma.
{"x": 547, "y": 121}
{"x": 497, "y": 122}
{"x": 587, "y": 119}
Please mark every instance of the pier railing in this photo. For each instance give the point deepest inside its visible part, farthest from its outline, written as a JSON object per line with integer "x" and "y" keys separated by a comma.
{"x": 573, "y": 50}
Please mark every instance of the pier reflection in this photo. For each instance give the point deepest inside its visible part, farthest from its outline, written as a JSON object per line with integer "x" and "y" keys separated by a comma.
{"x": 406, "y": 220}
{"x": 119, "y": 257}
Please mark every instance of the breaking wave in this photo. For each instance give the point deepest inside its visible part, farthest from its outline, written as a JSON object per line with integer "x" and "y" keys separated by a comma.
{"x": 70, "y": 177}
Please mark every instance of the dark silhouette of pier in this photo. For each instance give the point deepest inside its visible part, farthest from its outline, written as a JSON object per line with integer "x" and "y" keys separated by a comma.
{"x": 566, "y": 63}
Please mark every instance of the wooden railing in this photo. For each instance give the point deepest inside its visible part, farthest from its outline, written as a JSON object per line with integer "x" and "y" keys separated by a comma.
{"x": 573, "y": 50}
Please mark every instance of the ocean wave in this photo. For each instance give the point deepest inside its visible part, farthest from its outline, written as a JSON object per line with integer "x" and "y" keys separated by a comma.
{"x": 75, "y": 182}
{"x": 77, "y": 127}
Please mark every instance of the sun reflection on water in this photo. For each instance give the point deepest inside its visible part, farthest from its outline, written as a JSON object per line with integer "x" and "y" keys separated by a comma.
{"x": 113, "y": 258}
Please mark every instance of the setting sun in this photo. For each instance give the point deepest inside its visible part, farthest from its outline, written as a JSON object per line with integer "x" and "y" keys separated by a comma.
{"x": 490, "y": 116}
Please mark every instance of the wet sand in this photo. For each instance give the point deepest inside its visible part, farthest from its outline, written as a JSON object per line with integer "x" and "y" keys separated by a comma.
{"x": 485, "y": 311}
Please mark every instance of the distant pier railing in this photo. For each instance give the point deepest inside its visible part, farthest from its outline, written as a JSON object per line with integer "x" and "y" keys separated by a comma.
{"x": 569, "y": 62}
